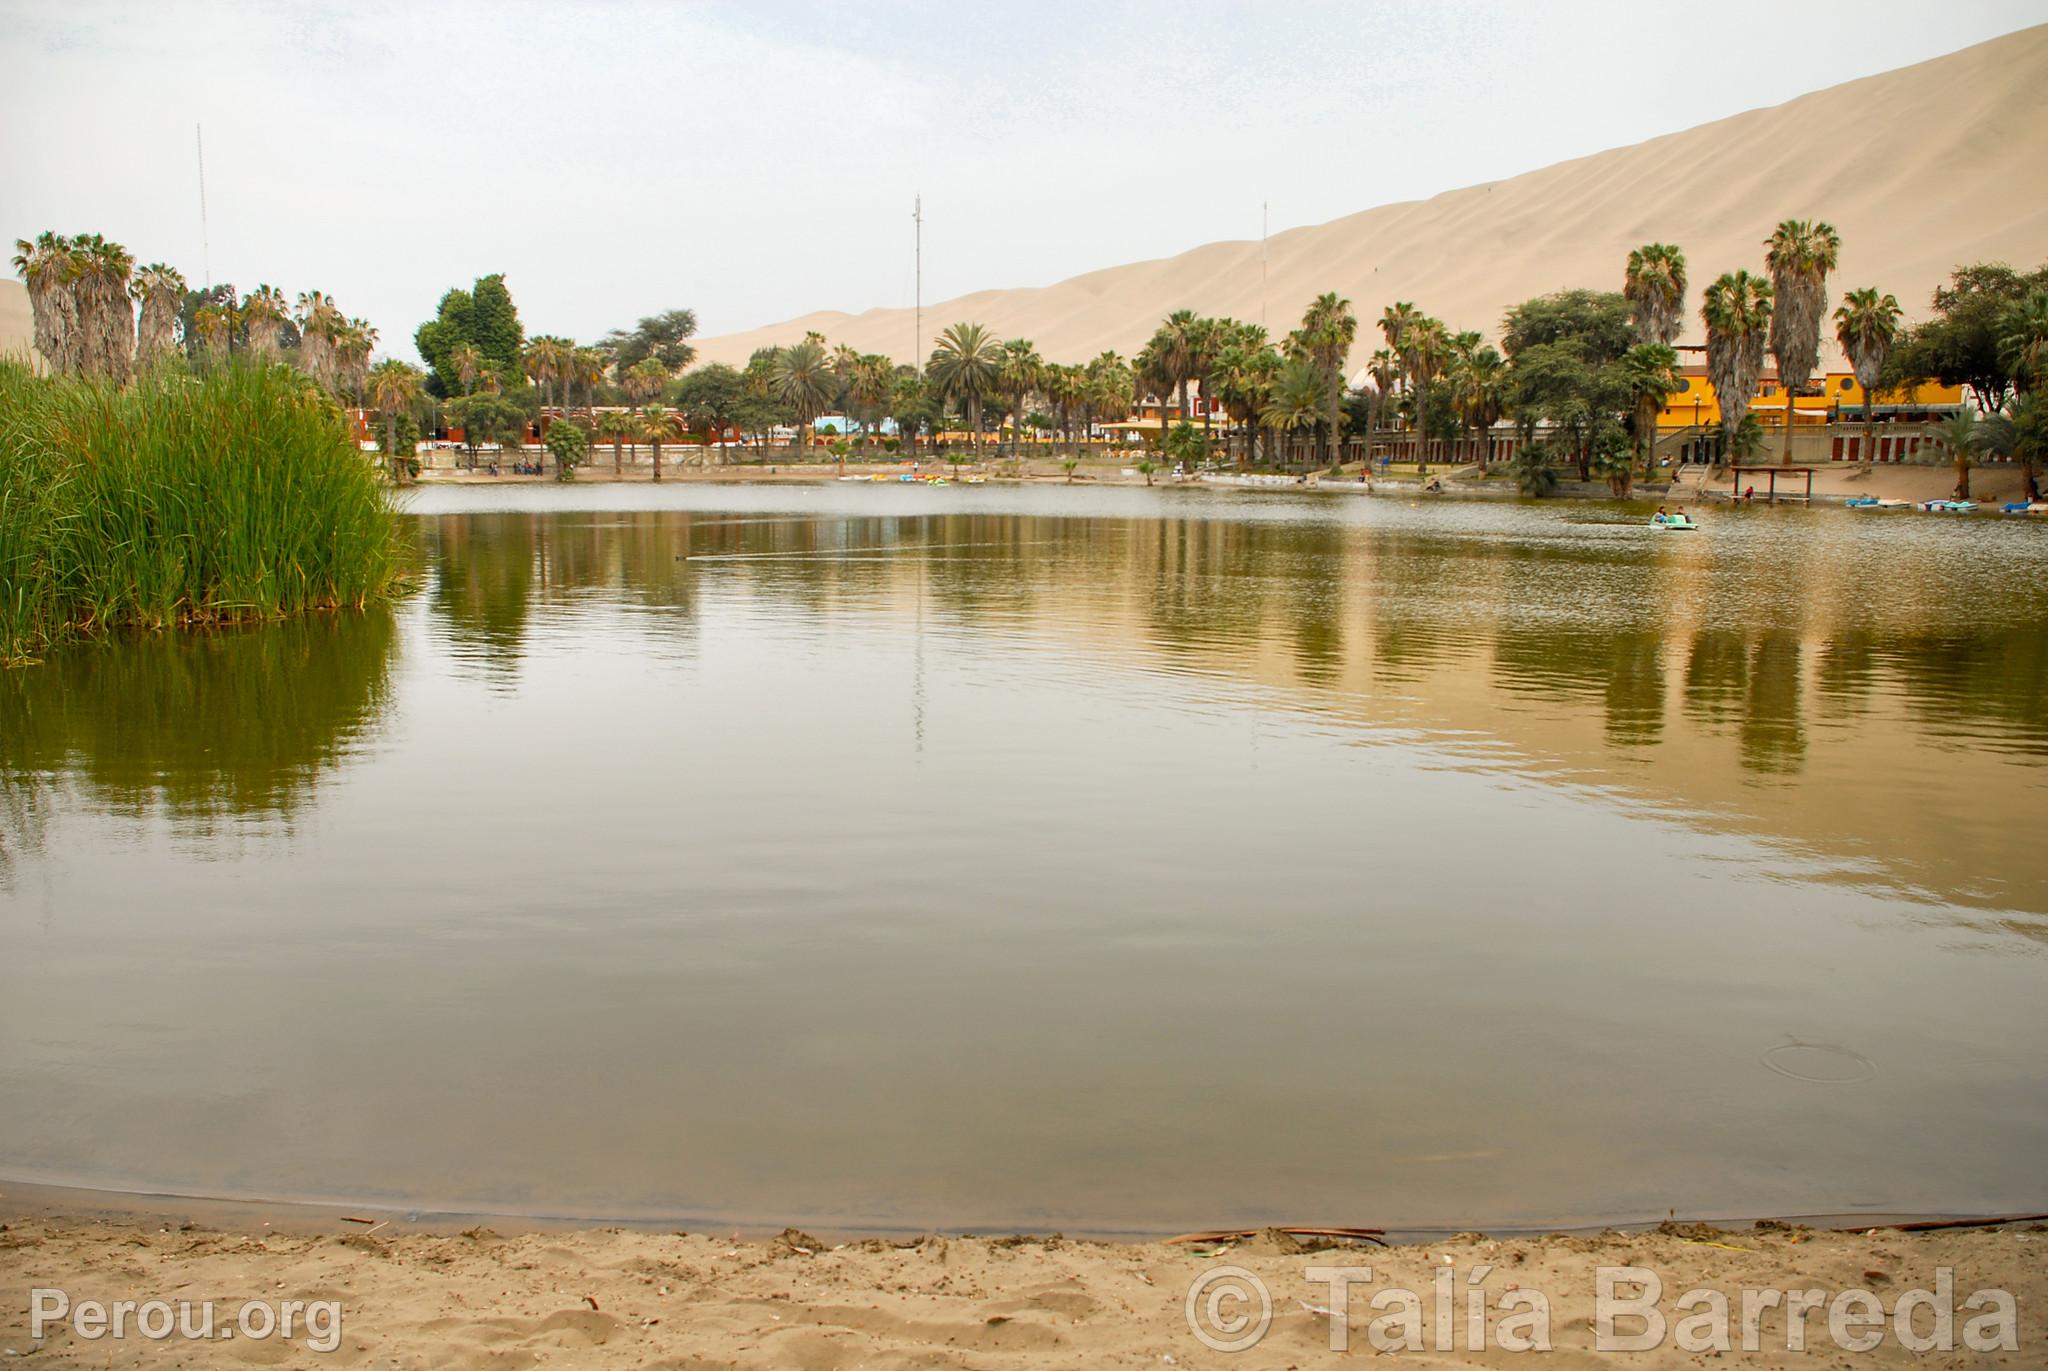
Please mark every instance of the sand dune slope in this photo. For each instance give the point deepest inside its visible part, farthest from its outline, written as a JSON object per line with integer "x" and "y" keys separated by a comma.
{"x": 17, "y": 338}
{"x": 1920, "y": 168}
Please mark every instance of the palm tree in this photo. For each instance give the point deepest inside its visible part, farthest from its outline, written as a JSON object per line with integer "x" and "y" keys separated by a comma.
{"x": 548, "y": 361}
{"x": 1328, "y": 329}
{"x": 872, "y": 384}
{"x": 1211, "y": 337}
{"x": 319, "y": 320}
{"x": 1478, "y": 383}
{"x": 617, "y": 425}
{"x": 1384, "y": 370}
{"x": 658, "y": 423}
{"x": 1959, "y": 433}
{"x": 1866, "y": 326}
{"x": 645, "y": 379}
{"x": 467, "y": 361}
{"x": 45, "y": 265}
{"x": 161, "y": 290}
{"x": 1153, "y": 373}
{"x": 215, "y": 325}
{"x": 353, "y": 346}
{"x": 1800, "y": 255}
{"x": 1178, "y": 343}
{"x": 586, "y": 369}
{"x": 1425, "y": 343}
{"x": 1737, "y": 312}
{"x": 98, "y": 273}
{"x": 1066, "y": 387}
{"x": 1655, "y": 288}
{"x": 803, "y": 379}
{"x": 1245, "y": 372}
{"x": 394, "y": 387}
{"x": 2019, "y": 433}
{"x": 263, "y": 316}
{"x": 1398, "y": 323}
{"x": 1110, "y": 388}
{"x": 1298, "y": 397}
{"x": 1650, "y": 371}
{"x": 2023, "y": 341}
{"x": 1019, "y": 374}
{"x": 964, "y": 368}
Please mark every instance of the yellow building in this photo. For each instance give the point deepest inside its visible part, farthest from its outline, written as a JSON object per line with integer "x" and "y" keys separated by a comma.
{"x": 1840, "y": 400}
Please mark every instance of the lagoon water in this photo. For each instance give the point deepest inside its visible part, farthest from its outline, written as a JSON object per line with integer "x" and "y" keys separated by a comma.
{"x": 1110, "y": 860}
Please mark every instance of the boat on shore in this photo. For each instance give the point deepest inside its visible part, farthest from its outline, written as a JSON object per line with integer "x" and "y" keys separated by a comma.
{"x": 1949, "y": 506}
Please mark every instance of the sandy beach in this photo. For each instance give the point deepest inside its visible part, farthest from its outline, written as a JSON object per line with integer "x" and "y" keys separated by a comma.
{"x": 611, "y": 1297}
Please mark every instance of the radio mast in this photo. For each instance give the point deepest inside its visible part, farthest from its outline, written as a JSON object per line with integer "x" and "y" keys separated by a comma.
{"x": 917, "y": 343}
{"x": 205, "y": 240}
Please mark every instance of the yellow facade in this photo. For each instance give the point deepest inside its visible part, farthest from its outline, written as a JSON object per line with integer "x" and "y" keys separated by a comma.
{"x": 1696, "y": 403}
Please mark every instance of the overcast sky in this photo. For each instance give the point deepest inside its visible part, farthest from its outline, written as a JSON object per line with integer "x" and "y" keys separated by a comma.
{"x": 756, "y": 159}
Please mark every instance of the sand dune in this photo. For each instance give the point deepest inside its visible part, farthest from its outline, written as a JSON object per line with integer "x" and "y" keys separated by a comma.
{"x": 16, "y": 327}
{"x": 1920, "y": 168}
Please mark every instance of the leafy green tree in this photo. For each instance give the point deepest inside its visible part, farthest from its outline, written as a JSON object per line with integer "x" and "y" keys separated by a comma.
{"x": 569, "y": 441}
{"x": 712, "y": 397}
{"x": 1961, "y": 343}
{"x": 482, "y": 319}
{"x": 495, "y": 325}
{"x": 487, "y": 418}
{"x": 664, "y": 336}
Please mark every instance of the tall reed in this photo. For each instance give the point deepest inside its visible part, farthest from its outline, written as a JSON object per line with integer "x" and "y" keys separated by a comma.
{"x": 182, "y": 499}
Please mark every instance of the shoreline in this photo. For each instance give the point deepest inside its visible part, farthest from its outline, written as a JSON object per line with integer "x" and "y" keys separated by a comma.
{"x": 483, "y": 1297}
{"x": 28, "y": 1201}
{"x": 1833, "y": 486}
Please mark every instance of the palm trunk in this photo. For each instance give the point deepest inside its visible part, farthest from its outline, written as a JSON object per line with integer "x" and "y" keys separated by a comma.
{"x": 655, "y": 443}
{"x": 391, "y": 446}
{"x": 1869, "y": 435}
{"x": 1785, "y": 450}
{"x": 1962, "y": 475}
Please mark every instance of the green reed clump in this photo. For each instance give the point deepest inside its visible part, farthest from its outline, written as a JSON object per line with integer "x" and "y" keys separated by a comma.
{"x": 182, "y": 499}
